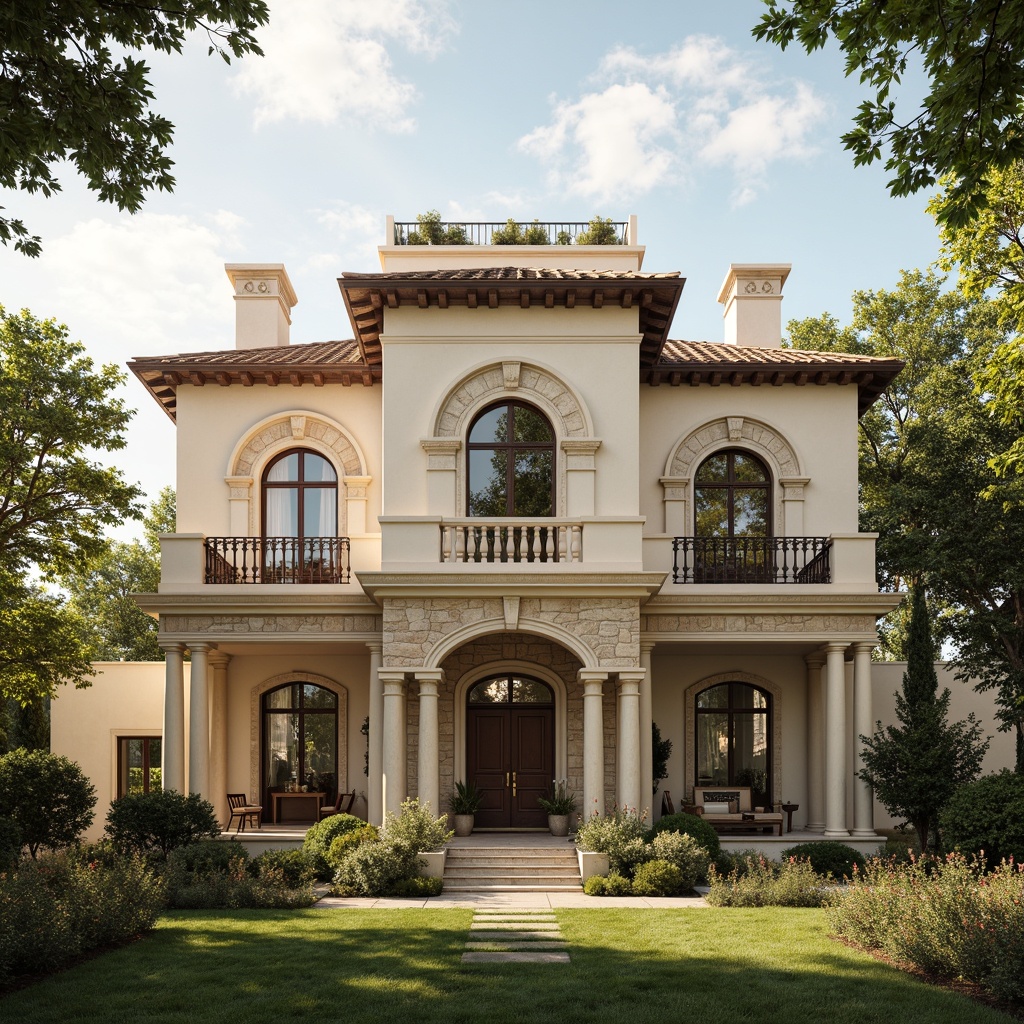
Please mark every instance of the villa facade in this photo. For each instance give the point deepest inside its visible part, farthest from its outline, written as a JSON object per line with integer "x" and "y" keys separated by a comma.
{"x": 508, "y": 525}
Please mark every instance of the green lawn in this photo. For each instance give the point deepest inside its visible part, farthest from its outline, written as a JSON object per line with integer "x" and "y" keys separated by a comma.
{"x": 628, "y": 967}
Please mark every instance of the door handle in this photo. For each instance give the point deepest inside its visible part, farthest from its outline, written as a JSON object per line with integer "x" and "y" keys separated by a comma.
{"x": 513, "y": 783}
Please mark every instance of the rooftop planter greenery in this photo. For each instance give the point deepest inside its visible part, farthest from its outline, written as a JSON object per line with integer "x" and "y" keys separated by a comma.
{"x": 429, "y": 229}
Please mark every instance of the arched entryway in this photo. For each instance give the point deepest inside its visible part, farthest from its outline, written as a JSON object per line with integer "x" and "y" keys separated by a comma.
{"x": 510, "y": 748}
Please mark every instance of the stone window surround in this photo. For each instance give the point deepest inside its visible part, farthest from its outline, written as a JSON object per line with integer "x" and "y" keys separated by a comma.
{"x": 739, "y": 433}
{"x": 526, "y": 668}
{"x": 525, "y": 381}
{"x": 256, "y": 725}
{"x": 690, "y": 725}
{"x": 277, "y": 433}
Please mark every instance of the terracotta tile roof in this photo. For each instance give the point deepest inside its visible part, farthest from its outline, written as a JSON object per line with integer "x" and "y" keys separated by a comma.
{"x": 706, "y": 363}
{"x": 655, "y": 296}
{"x": 296, "y": 365}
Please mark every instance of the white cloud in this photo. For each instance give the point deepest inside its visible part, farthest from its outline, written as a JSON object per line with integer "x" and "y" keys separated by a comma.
{"x": 342, "y": 68}
{"x": 355, "y": 232}
{"x": 650, "y": 120}
{"x": 148, "y": 283}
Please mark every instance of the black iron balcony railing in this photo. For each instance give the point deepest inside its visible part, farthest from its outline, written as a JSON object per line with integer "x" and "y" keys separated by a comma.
{"x": 481, "y": 232}
{"x": 277, "y": 560}
{"x": 751, "y": 560}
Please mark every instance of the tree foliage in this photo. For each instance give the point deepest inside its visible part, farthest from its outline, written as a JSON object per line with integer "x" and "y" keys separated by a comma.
{"x": 56, "y": 413}
{"x": 989, "y": 254}
{"x": 926, "y": 476}
{"x": 48, "y": 797}
{"x": 70, "y": 91}
{"x": 970, "y": 119}
{"x": 916, "y": 766}
{"x": 102, "y": 592}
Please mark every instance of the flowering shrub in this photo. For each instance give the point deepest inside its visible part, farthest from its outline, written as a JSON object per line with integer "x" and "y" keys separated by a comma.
{"x": 763, "y": 883}
{"x": 685, "y": 853}
{"x": 623, "y": 835}
{"x": 62, "y": 905}
{"x": 388, "y": 865}
{"x": 947, "y": 916}
{"x": 691, "y": 825}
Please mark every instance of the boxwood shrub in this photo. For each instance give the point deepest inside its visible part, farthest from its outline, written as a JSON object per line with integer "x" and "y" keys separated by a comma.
{"x": 692, "y": 825}
{"x": 319, "y": 837}
{"x": 828, "y": 858}
{"x": 658, "y": 878}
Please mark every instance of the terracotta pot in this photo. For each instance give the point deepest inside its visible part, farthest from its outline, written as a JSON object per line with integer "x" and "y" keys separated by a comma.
{"x": 558, "y": 824}
{"x": 463, "y": 824}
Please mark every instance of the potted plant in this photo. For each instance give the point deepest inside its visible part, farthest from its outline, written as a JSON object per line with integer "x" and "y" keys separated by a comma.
{"x": 464, "y": 804}
{"x": 561, "y": 804}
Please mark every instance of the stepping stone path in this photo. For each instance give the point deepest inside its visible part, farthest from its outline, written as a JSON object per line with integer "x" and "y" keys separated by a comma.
{"x": 515, "y": 936}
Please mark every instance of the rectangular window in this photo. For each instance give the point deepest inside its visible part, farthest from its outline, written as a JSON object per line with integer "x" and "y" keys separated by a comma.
{"x": 138, "y": 764}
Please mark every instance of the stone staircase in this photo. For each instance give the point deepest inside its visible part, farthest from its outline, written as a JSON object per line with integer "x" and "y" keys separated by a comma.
{"x": 512, "y": 869}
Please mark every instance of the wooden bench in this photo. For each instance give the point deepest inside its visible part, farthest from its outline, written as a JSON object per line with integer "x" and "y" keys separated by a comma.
{"x": 728, "y": 809}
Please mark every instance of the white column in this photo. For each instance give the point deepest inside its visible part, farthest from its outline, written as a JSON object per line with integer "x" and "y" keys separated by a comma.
{"x": 815, "y": 743}
{"x": 172, "y": 757}
{"x": 628, "y": 755}
{"x": 393, "y": 740}
{"x": 199, "y": 723}
{"x": 429, "y": 787}
{"x": 593, "y": 741}
{"x": 219, "y": 735}
{"x": 646, "y": 719}
{"x": 835, "y": 741}
{"x": 375, "y": 741}
{"x": 863, "y": 816}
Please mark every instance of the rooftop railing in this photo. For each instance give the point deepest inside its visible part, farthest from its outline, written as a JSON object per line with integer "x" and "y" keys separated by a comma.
{"x": 277, "y": 560}
{"x": 532, "y": 232}
{"x": 744, "y": 560}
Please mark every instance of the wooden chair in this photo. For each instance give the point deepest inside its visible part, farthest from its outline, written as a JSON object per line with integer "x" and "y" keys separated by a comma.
{"x": 243, "y": 811}
{"x": 340, "y": 806}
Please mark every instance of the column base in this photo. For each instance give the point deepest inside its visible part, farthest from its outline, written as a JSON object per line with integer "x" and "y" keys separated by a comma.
{"x": 836, "y": 834}
{"x": 815, "y": 827}
{"x": 865, "y": 833}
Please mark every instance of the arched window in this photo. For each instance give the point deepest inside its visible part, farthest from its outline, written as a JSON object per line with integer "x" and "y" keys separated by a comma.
{"x": 732, "y": 496}
{"x": 733, "y": 740}
{"x": 300, "y": 745}
{"x": 300, "y": 496}
{"x": 511, "y": 462}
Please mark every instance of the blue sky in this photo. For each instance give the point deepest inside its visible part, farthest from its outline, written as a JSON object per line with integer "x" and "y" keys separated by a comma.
{"x": 727, "y": 150}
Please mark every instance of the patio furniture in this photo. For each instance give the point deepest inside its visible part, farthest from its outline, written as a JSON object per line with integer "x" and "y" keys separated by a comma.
{"x": 243, "y": 811}
{"x": 343, "y": 805}
{"x": 728, "y": 809}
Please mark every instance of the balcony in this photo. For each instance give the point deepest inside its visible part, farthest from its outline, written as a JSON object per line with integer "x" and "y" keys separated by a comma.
{"x": 495, "y": 233}
{"x": 511, "y": 540}
{"x": 749, "y": 560}
{"x": 276, "y": 560}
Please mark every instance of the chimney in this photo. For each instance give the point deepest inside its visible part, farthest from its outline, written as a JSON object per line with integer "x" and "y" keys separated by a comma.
{"x": 752, "y": 296}
{"x": 264, "y": 297}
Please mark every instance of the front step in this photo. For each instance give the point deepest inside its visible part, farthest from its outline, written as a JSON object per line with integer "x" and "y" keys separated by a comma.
{"x": 511, "y": 869}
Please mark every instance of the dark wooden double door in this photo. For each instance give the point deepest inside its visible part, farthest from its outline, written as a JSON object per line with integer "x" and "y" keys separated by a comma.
{"x": 510, "y": 756}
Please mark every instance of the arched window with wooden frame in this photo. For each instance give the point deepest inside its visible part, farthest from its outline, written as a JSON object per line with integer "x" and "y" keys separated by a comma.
{"x": 511, "y": 462}
{"x": 300, "y": 518}
{"x": 733, "y": 739}
{"x": 732, "y": 501}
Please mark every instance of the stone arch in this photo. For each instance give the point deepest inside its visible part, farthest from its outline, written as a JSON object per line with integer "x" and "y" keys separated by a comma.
{"x": 732, "y": 431}
{"x": 283, "y": 430}
{"x": 527, "y": 381}
{"x": 689, "y": 713}
{"x": 536, "y": 627}
{"x": 755, "y": 436}
{"x": 297, "y": 428}
{"x": 255, "y": 742}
